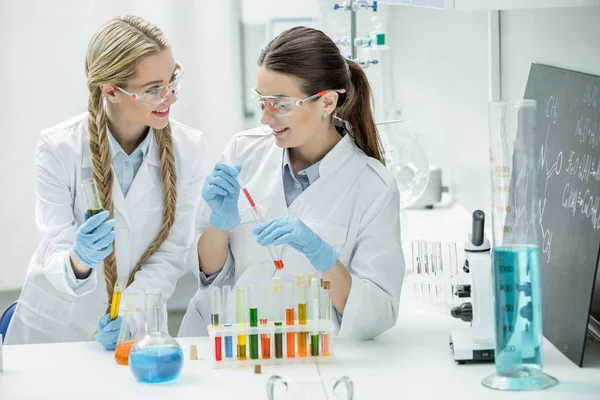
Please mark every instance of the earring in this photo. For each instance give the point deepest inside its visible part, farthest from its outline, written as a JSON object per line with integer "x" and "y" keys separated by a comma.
{"x": 324, "y": 115}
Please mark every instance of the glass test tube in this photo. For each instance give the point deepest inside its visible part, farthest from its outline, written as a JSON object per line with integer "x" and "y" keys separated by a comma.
{"x": 276, "y": 316}
{"x": 265, "y": 338}
{"x": 215, "y": 312}
{"x": 302, "y": 336}
{"x": 92, "y": 196}
{"x": 228, "y": 319}
{"x": 253, "y": 313}
{"x": 240, "y": 300}
{"x": 325, "y": 315}
{"x": 289, "y": 320}
{"x": 309, "y": 281}
{"x": 314, "y": 336}
{"x": 258, "y": 218}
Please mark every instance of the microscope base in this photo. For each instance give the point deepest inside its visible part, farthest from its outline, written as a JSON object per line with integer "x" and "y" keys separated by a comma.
{"x": 464, "y": 349}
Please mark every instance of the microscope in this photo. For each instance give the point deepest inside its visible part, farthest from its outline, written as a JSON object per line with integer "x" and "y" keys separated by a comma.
{"x": 476, "y": 344}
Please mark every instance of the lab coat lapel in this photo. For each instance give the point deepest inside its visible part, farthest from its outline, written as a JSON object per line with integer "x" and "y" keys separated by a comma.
{"x": 337, "y": 162}
{"x": 274, "y": 188}
{"x": 143, "y": 183}
{"x": 119, "y": 204}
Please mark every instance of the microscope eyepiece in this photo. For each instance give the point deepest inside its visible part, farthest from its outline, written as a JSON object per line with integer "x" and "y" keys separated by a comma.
{"x": 477, "y": 228}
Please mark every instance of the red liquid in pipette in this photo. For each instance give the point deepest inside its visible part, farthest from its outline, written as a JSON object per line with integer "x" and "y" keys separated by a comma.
{"x": 278, "y": 263}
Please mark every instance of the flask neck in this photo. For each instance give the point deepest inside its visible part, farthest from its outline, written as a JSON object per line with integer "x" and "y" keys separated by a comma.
{"x": 155, "y": 312}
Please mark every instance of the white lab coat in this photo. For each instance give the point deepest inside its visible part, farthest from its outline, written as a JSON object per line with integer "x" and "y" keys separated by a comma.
{"x": 49, "y": 308}
{"x": 354, "y": 206}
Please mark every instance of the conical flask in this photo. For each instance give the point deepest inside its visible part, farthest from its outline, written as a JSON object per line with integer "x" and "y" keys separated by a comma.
{"x": 156, "y": 357}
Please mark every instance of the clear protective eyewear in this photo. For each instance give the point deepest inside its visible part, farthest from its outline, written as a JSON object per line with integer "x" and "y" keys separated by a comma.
{"x": 158, "y": 95}
{"x": 282, "y": 106}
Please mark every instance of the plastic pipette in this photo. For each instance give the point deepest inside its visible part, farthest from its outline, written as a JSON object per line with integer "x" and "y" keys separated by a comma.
{"x": 260, "y": 220}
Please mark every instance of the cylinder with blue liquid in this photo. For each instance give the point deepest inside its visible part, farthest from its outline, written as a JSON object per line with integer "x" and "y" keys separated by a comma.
{"x": 516, "y": 255}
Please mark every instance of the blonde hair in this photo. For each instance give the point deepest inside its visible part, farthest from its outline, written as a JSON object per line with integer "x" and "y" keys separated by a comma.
{"x": 112, "y": 57}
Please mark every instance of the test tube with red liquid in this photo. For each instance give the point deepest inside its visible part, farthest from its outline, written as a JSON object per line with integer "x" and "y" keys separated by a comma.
{"x": 260, "y": 220}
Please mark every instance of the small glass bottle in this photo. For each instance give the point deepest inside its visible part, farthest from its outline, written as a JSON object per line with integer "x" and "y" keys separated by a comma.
{"x": 157, "y": 357}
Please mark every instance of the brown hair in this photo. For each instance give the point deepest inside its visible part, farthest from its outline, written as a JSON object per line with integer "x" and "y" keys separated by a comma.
{"x": 313, "y": 58}
{"x": 113, "y": 54}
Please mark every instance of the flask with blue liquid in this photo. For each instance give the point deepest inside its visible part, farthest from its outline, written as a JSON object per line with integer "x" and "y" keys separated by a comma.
{"x": 156, "y": 357}
{"x": 516, "y": 253}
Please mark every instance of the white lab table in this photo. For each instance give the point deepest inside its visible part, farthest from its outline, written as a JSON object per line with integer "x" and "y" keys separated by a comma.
{"x": 412, "y": 360}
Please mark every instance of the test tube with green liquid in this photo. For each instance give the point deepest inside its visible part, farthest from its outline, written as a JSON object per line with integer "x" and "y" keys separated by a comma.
{"x": 253, "y": 311}
{"x": 92, "y": 197}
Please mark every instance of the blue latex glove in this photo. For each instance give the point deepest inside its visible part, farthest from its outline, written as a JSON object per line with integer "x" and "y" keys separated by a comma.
{"x": 108, "y": 331}
{"x": 221, "y": 192}
{"x": 93, "y": 242}
{"x": 292, "y": 231}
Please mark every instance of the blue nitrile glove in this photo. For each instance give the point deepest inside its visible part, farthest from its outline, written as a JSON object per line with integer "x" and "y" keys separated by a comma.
{"x": 292, "y": 231}
{"x": 221, "y": 192}
{"x": 108, "y": 331}
{"x": 93, "y": 242}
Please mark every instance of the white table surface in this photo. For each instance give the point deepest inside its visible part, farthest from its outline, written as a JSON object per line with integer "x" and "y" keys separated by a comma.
{"x": 412, "y": 360}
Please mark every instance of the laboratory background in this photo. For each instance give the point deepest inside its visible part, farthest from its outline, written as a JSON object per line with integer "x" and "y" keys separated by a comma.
{"x": 434, "y": 67}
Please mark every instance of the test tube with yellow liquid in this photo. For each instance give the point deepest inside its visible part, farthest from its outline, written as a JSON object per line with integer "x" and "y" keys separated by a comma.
{"x": 241, "y": 321}
{"x": 302, "y": 336}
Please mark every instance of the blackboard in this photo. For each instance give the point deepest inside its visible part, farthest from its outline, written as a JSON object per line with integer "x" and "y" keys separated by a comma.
{"x": 567, "y": 155}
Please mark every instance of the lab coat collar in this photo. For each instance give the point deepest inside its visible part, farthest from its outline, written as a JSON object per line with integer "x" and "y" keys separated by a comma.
{"x": 151, "y": 156}
{"x": 115, "y": 147}
{"x": 337, "y": 156}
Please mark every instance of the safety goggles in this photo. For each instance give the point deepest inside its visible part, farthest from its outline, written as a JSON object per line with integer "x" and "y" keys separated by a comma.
{"x": 282, "y": 106}
{"x": 158, "y": 95}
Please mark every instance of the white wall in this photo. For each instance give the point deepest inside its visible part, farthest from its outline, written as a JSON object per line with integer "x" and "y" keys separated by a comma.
{"x": 562, "y": 38}
{"x": 42, "y": 50}
{"x": 441, "y": 78}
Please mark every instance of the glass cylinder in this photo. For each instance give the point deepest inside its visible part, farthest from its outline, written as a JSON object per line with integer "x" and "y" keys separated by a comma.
{"x": 516, "y": 256}
{"x": 157, "y": 357}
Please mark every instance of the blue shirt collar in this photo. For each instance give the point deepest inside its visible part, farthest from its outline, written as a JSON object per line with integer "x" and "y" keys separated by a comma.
{"x": 312, "y": 172}
{"x": 115, "y": 147}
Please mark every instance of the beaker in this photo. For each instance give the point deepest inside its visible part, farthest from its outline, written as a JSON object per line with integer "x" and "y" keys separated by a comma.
{"x": 308, "y": 389}
{"x": 157, "y": 357}
{"x": 516, "y": 256}
{"x": 133, "y": 327}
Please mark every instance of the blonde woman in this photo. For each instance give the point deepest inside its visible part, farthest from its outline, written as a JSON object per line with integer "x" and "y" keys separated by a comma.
{"x": 149, "y": 172}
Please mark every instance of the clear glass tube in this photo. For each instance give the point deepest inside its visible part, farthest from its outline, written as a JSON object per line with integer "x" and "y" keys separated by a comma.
{"x": 228, "y": 319}
{"x": 516, "y": 257}
{"x": 92, "y": 196}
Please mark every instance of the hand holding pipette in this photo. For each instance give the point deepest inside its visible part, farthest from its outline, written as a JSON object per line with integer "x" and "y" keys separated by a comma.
{"x": 292, "y": 231}
{"x": 221, "y": 191}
